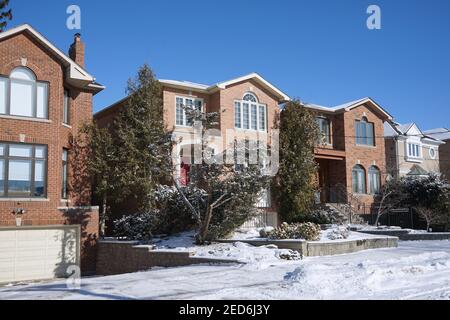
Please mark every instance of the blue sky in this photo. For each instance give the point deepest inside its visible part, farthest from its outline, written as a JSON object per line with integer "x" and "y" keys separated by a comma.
{"x": 318, "y": 51}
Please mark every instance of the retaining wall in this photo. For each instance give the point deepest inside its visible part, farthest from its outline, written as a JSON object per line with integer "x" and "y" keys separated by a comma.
{"x": 118, "y": 257}
{"x": 404, "y": 235}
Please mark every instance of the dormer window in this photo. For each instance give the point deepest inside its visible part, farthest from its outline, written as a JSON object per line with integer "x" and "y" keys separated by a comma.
{"x": 22, "y": 95}
{"x": 249, "y": 114}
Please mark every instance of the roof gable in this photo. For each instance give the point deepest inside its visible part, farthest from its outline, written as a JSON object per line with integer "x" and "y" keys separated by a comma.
{"x": 281, "y": 96}
{"x": 76, "y": 75}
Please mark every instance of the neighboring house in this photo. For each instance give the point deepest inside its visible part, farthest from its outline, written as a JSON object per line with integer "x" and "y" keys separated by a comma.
{"x": 351, "y": 152}
{"x": 45, "y": 212}
{"x": 248, "y": 107}
{"x": 409, "y": 151}
{"x": 442, "y": 134}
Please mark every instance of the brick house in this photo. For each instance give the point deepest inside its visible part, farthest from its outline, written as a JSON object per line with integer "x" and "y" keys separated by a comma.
{"x": 411, "y": 152}
{"x": 46, "y": 220}
{"x": 351, "y": 152}
{"x": 248, "y": 108}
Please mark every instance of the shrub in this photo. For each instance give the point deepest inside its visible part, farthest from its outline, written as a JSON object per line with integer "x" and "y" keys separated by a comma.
{"x": 175, "y": 217}
{"x": 338, "y": 233}
{"x": 137, "y": 226}
{"x": 308, "y": 231}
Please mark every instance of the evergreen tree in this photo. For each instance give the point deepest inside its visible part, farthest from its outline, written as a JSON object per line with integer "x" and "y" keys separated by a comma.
{"x": 143, "y": 155}
{"x": 101, "y": 164}
{"x": 295, "y": 186}
{"x": 5, "y": 14}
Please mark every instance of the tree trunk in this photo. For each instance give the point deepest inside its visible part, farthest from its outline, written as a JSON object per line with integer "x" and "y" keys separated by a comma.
{"x": 203, "y": 232}
{"x": 103, "y": 217}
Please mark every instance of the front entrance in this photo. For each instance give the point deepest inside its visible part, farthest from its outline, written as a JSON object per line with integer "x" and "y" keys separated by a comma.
{"x": 331, "y": 173}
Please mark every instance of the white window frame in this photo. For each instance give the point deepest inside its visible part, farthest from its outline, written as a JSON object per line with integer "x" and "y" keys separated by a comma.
{"x": 184, "y": 98}
{"x": 414, "y": 150}
{"x": 34, "y": 108}
{"x": 258, "y": 120}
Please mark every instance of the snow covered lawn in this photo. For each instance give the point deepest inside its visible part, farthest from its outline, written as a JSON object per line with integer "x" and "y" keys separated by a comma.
{"x": 415, "y": 270}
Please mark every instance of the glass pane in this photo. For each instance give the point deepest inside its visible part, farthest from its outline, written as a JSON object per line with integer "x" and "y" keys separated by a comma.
{"x": 245, "y": 111}
{"x": 2, "y": 149}
{"x": 64, "y": 182}
{"x": 188, "y": 112}
{"x": 64, "y": 155}
{"x": 358, "y": 132}
{"x": 19, "y": 178}
{"x": 2, "y": 177}
{"x": 39, "y": 178}
{"x": 40, "y": 152}
{"x": 262, "y": 118}
{"x": 179, "y": 115}
{"x": 42, "y": 100}
{"x": 237, "y": 115}
{"x": 370, "y": 134}
{"x": 254, "y": 117}
{"x": 22, "y": 100}
{"x": 363, "y": 133}
{"x": 3, "y": 94}
{"x": 23, "y": 74}
{"x": 66, "y": 107}
{"x": 17, "y": 150}
{"x": 355, "y": 181}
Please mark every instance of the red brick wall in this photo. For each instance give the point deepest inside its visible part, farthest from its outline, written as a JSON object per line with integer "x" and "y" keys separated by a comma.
{"x": 13, "y": 51}
{"x": 366, "y": 156}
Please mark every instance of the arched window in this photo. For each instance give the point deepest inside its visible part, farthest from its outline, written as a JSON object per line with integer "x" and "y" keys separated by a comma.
{"x": 250, "y": 97}
{"x": 364, "y": 131}
{"x": 21, "y": 95}
{"x": 249, "y": 114}
{"x": 374, "y": 180}
{"x": 359, "y": 179}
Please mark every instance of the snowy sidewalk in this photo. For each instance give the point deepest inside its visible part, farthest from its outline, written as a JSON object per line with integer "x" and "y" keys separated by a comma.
{"x": 415, "y": 270}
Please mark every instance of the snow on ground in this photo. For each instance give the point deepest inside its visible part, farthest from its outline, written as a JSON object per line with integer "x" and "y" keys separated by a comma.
{"x": 415, "y": 270}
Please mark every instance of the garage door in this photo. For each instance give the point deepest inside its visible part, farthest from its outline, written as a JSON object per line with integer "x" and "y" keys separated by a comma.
{"x": 30, "y": 253}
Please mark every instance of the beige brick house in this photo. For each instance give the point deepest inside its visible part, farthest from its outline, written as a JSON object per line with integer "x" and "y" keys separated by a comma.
{"x": 351, "y": 152}
{"x": 248, "y": 107}
{"x": 409, "y": 151}
{"x": 46, "y": 221}
{"x": 442, "y": 134}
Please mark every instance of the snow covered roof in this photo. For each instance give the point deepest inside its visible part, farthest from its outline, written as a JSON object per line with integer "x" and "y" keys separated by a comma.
{"x": 282, "y": 97}
{"x": 349, "y": 106}
{"x": 76, "y": 75}
{"x": 438, "y": 133}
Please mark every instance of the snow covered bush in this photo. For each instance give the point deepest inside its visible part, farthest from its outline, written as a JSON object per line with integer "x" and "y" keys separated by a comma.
{"x": 338, "y": 233}
{"x": 175, "y": 217}
{"x": 137, "y": 226}
{"x": 308, "y": 231}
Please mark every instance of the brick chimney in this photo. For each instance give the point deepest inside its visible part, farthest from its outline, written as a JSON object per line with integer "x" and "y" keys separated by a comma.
{"x": 76, "y": 51}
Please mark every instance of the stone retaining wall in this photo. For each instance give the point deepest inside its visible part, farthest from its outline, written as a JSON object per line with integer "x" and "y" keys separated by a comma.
{"x": 404, "y": 235}
{"x": 312, "y": 249}
{"x": 118, "y": 257}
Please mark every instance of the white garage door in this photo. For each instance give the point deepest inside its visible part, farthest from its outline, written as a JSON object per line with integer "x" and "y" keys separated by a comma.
{"x": 30, "y": 253}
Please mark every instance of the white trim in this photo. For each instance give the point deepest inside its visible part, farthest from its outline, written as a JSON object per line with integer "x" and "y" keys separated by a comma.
{"x": 184, "y": 111}
{"x": 223, "y": 85}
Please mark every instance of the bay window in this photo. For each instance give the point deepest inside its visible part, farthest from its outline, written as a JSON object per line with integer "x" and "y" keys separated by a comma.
{"x": 185, "y": 107}
{"x": 23, "y": 170}
{"x": 249, "y": 114}
{"x": 21, "y": 95}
